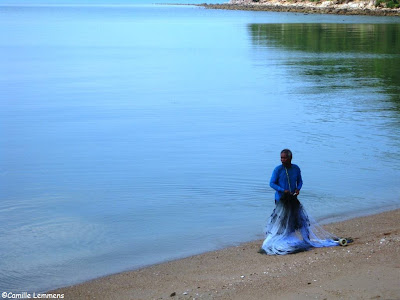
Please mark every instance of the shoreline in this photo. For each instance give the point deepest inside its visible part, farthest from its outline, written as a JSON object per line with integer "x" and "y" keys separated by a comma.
{"x": 367, "y": 268}
{"x": 307, "y": 7}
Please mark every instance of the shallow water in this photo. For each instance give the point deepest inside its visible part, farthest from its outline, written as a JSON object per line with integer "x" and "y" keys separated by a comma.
{"x": 135, "y": 134}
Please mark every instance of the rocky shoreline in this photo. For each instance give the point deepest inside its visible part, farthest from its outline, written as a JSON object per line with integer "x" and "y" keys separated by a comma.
{"x": 308, "y": 7}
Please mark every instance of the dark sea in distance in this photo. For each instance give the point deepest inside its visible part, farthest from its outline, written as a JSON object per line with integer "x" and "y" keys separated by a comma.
{"x": 133, "y": 133}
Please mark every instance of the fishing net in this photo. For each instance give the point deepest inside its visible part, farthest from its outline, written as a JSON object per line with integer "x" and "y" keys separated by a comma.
{"x": 290, "y": 229}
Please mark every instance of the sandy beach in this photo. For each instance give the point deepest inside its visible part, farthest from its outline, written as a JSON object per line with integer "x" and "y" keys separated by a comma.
{"x": 369, "y": 268}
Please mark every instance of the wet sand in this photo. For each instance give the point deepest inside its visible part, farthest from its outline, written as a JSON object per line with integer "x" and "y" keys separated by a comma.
{"x": 369, "y": 268}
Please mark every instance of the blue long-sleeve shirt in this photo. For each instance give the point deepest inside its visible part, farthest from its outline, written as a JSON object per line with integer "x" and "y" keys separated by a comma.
{"x": 279, "y": 180}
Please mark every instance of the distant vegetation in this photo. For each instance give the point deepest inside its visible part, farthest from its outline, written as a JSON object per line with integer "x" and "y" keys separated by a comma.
{"x": 388, "y": 3}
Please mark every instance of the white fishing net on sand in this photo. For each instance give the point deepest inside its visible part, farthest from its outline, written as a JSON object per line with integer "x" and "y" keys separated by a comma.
{"x": 290, "y": 230}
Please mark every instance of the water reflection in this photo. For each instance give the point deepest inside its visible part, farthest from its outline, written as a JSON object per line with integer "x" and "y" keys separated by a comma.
{"x": 342, "y": 80}
{"x": 366, "y": 53}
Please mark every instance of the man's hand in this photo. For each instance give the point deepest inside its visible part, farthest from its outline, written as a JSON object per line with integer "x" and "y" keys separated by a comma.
{"x": 296, "y": 192}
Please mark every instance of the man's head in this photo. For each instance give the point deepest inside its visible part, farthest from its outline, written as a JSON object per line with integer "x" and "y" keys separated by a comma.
{"x": 286, "y": 157}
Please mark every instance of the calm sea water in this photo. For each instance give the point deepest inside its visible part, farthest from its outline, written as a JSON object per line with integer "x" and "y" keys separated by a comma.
{"x": 131, "y": 134}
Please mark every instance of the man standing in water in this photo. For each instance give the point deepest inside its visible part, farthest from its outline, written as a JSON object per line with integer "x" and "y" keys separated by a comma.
{"x": 286, "y": 178}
